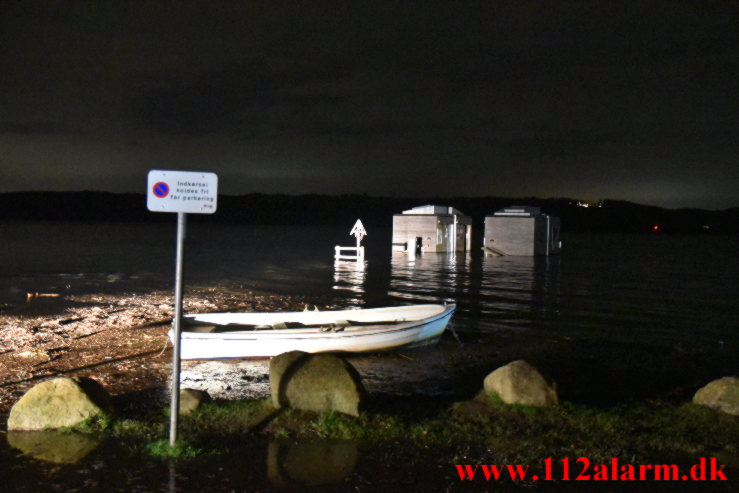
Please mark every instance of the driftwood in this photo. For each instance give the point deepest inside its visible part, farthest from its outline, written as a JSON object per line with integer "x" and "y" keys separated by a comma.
{"x": 30, "y": 296}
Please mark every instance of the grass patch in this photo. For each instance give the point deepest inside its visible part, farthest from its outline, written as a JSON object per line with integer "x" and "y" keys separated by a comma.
{"x": 228, "y": 418}
{"x": 96, "y": 424}
{"x": 145, "y": 429}
{"x": 207, "y": 430}
{"x": 484, "y": 429}
{"x": 481, "y": 430}
{"x": 181, "y": 450}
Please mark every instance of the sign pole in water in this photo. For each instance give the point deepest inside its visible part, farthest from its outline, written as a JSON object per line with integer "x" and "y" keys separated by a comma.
{"x": 180, "y": 192}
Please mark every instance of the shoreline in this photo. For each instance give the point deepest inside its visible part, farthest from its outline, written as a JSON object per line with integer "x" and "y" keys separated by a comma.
{"x": 120, "y": 340}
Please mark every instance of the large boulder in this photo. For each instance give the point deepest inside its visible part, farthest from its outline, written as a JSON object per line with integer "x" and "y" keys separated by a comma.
{"x": 315, "y": 382}
{"x": 721, "y": 394}
{"x": 59, "y": 402}
{"x": 520, "y": 383}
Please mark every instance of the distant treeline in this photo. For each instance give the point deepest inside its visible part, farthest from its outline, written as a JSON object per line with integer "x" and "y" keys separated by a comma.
{"x": 610, "y": 215}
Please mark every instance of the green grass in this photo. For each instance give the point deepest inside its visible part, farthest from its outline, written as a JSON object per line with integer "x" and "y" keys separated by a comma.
{"x": 485, "y": 427}
{"x": 228, "y": 418}
{"x": 96, "y": 424}
{"x": 181, "y": 450}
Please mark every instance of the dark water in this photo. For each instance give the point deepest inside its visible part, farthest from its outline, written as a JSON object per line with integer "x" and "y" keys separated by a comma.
{"x": 614, "y": 318}
{"x": 599, "y": 317}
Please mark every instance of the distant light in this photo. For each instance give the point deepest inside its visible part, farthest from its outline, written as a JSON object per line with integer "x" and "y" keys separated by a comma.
{"x": 588, "y": 203}
{"x": 655, "y": 227}
{"x": 706, "y": 226}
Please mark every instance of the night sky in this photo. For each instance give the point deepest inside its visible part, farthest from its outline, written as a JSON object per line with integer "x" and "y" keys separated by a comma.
{"x": 593, "y": 99}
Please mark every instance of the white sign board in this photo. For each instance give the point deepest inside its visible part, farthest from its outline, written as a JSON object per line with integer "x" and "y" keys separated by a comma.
{"x": 182, "y": 191}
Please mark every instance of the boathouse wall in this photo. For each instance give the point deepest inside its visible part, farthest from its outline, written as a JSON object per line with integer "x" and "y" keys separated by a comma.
{"x": 429, "y": 230}
{"x": 522, "y": 232}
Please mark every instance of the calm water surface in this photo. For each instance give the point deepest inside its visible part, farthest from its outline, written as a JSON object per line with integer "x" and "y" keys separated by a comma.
{"x": 613, "y": 318}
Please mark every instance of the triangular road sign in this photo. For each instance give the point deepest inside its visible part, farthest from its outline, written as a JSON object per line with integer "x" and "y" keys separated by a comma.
{"x": 358, "y": 230}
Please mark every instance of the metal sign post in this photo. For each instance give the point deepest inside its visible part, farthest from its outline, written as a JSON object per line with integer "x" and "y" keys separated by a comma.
{"x": 174, "y": 407}
{"x": 180, "y": 192}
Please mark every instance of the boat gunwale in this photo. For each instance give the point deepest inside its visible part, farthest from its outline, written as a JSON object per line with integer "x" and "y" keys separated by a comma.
{"x": 319, "y": 332}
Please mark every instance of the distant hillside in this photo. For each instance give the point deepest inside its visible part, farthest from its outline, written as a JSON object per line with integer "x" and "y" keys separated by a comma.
{"x": 612, "y": 215}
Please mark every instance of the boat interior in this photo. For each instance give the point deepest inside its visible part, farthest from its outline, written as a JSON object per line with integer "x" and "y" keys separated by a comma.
{"x": 336, "y": 326}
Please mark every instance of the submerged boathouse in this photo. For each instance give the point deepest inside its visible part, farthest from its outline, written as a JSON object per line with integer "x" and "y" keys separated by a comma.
{"x": 432, "y": 228}
{"x": 521, "y": 230}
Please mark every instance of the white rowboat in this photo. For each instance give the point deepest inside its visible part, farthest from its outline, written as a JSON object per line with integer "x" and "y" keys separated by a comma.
{"x": 261, "y": 335}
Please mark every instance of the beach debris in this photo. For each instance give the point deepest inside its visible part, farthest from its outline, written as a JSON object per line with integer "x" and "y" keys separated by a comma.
{"x": 33, "y": 296}
{"x": 520, "y": 383}
{"x": 28, "y": 354}
{"x": 227, "y": 379}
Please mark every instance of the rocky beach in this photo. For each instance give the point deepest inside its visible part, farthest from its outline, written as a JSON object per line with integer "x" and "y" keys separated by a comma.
{"x": 119, "y": 340}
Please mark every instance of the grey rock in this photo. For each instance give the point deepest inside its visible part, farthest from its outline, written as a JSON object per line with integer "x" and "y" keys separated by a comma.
{"x": 191, "y": 399}
{"x": 721, "y": 394}
{"x": 315, "y": 382}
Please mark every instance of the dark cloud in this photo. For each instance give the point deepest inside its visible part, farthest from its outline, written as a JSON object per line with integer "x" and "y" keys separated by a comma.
{"x": 529, "y": 98}
{"x": 40, "y": 128}
{"x": 232, "y": 98}
{"x": 208, "y": 104}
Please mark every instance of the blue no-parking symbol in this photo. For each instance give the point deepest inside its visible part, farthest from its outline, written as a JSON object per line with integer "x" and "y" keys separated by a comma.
{"x": 161, "y": 189}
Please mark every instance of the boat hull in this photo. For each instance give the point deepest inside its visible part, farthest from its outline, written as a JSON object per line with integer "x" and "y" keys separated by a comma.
{"x": 268, "y": 343}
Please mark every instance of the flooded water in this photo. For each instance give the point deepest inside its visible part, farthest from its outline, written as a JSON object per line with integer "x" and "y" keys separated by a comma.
{"x": 596, "y": 317}
{"x": 613, "y": 318}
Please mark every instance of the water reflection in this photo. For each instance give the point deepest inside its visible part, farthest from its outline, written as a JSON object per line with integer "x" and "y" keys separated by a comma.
{"x": 514, "y": 291}
{"x": 310, "y": 463}
{"x": 491, "y": 292}
{"x": 74, "y": 462}
{"x": 429, "y": 278}
{"x": 54, "y": 446}
{"x": 350, "y": 277}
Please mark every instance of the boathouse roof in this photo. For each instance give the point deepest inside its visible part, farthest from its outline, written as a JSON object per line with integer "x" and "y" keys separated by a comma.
{"x": 519, "y": 210}
{"x": 433, "y": 210}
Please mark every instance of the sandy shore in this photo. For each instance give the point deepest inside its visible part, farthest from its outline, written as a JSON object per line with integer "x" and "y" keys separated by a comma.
{"x": 119, "y": 340}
